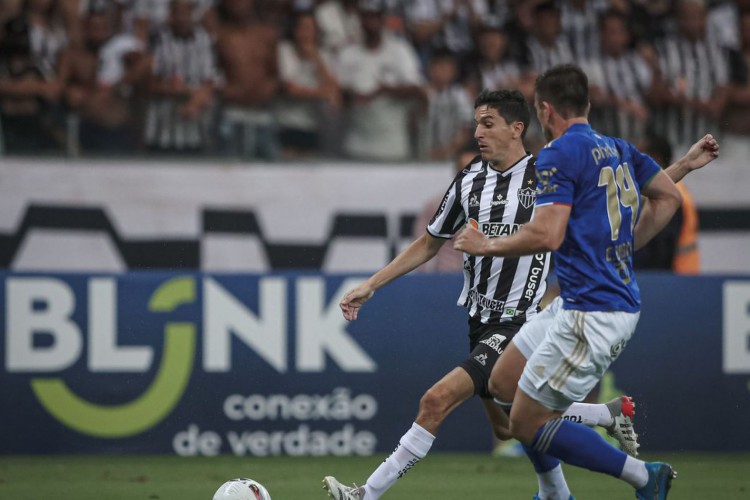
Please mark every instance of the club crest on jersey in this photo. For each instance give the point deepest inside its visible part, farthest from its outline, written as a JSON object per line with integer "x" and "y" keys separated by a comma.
{"x": 527, "y": 197}
{"x": 474, "y": 200}
{"x": 500, "y": 200}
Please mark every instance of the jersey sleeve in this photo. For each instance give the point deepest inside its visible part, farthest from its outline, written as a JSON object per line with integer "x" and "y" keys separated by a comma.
{"x": 554, "y": 184}
{"x": 450, "y": 216}
{"x": 644, "y": 167}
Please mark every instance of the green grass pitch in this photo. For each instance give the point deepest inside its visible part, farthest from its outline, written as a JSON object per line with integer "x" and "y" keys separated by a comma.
{"x": 440, "y": 476}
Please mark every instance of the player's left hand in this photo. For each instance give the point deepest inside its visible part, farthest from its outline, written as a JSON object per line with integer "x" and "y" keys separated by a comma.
{"x": 471, "y": 240}
{"x": 702, "y": 152}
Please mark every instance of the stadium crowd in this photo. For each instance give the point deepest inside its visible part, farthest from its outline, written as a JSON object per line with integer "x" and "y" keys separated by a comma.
{"x": 382, "y": 80}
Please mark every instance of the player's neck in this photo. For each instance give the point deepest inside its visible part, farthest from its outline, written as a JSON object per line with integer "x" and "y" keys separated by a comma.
{"x": 565, "y": 124}
{"x": 508, "y": 160}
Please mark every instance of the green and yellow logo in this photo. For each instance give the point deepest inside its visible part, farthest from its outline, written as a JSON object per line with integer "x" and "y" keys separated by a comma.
{"x": 39, "y": 306}
{"x": 157, "y": 402}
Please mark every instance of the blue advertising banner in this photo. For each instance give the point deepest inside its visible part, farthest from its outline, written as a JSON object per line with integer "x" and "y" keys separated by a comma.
{"x": 198, "y": 364}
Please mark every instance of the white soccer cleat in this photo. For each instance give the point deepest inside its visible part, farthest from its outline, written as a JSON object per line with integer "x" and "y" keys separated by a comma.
{"x": 338, "y": 491}
{"x": 622, "y": 409}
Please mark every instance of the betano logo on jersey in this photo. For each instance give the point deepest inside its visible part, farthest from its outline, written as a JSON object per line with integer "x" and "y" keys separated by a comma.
{"x": 495, "y": 229}
{"x": 38, "y": 307}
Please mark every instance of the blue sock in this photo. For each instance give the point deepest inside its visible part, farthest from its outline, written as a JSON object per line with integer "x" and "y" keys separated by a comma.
{"x": 578, "y": 445}
{"x": 542, "y": 463}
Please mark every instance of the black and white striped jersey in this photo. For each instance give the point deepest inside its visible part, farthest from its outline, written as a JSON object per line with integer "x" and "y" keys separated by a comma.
{"x": 495, "y": 288}
{"x": 542, "y": 57}
{"x": 696, "y": 69}
{"x": 580, "y": 24}
{"x": 193, "y": 60}
{"x": 629, "y": 78}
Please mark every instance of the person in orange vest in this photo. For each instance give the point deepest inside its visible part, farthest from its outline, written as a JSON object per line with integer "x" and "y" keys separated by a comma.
{"x": 676, "y": 248}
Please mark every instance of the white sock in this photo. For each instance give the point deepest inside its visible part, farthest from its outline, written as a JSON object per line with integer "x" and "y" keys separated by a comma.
{"x": 413, "y": 446}
{"x": 634, "y": 472}
{"x": 589, "y": 414}
{"x": 552, "y": 485}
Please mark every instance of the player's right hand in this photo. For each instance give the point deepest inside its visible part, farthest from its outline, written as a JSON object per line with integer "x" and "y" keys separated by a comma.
{"x": 354, "y": 299}
{"x": 702, "y": 152}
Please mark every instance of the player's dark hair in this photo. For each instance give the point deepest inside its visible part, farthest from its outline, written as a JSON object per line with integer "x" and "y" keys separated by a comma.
{"x": 658, "y": 147}
{"x": 566, "y": 87}
{"x": 509, "y": 103}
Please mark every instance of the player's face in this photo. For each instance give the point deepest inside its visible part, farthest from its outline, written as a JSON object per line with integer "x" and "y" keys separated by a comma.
{"x": 493, "y": 134}
{"x": 543, "y": 115}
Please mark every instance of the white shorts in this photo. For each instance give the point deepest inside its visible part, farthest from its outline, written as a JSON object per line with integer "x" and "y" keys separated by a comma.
{"x": 567, "y": 351}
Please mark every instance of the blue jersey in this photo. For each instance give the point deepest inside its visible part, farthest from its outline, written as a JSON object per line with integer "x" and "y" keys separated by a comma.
{"x": 600, "y": 178}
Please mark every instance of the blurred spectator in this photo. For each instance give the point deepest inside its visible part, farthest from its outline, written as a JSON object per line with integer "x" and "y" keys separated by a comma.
{"x": 447, "y": 260}
{"x": 675, "y": 248}
{"x": 546, "y": 45}
{"x": 493, "y": 68}
{"x": 692, "y": 91}
{"x": 150, "y": 17}
{"x": 517, "y": 28}
{"x": 621, "y": 81}
{"x": 9, "y": 9}
{"x": 738, "y": 108}
{"x": 449, "y": 110}
{"x": 339, "y": 24}
{"x": 102, "y": 77}
{"x": 498, "y": 13}
{"x": 179, "y": 115}
{"x": 309, "y": 111}
{"x": 580, "y": 21}
{"x": 247, "y": 51}
{"x": 383, "y": 81}
{"x": 30, "y": 85}
{"x": 121, "y": 12}
{"x": 723, "y": 22}
{"x": 648, "y": 19}
{"x": 277, "y": 13}
{"x": 444, "y": 24}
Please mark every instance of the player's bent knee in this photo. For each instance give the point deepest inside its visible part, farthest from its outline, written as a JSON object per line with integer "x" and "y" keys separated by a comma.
{"x": 434, "y": 403}
{"x": 522, "y": 431}
{"x": 494, "y": 389}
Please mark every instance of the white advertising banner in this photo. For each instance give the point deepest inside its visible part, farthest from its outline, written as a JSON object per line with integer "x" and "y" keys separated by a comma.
{"x": 109, "y": 215}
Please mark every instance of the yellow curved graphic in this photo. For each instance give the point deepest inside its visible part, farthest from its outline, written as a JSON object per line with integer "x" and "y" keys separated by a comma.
{"x": 152, "y": 406}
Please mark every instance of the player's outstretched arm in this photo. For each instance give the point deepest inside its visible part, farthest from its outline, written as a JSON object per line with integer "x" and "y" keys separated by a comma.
{"x": 698, "y": 156}
{"x": 544, "y": 233}
{"x": 420, "y": 251}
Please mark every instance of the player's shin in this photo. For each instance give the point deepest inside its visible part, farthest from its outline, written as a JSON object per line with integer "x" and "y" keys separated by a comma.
{"x": 413, "y": 446}
{"x": 579, "y": 445}
{"x": 549, "y": 474}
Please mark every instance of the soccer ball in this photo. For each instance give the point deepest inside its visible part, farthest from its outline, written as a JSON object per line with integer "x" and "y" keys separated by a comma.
{"x": 242, "y": 489}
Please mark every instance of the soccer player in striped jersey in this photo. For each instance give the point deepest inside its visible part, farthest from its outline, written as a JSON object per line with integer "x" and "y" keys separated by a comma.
{"x": 589, "y": 211}
{"x": 496, "y": 194}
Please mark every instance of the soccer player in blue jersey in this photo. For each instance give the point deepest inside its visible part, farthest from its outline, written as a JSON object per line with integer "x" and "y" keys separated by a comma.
{"x": 598, "y": 199}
